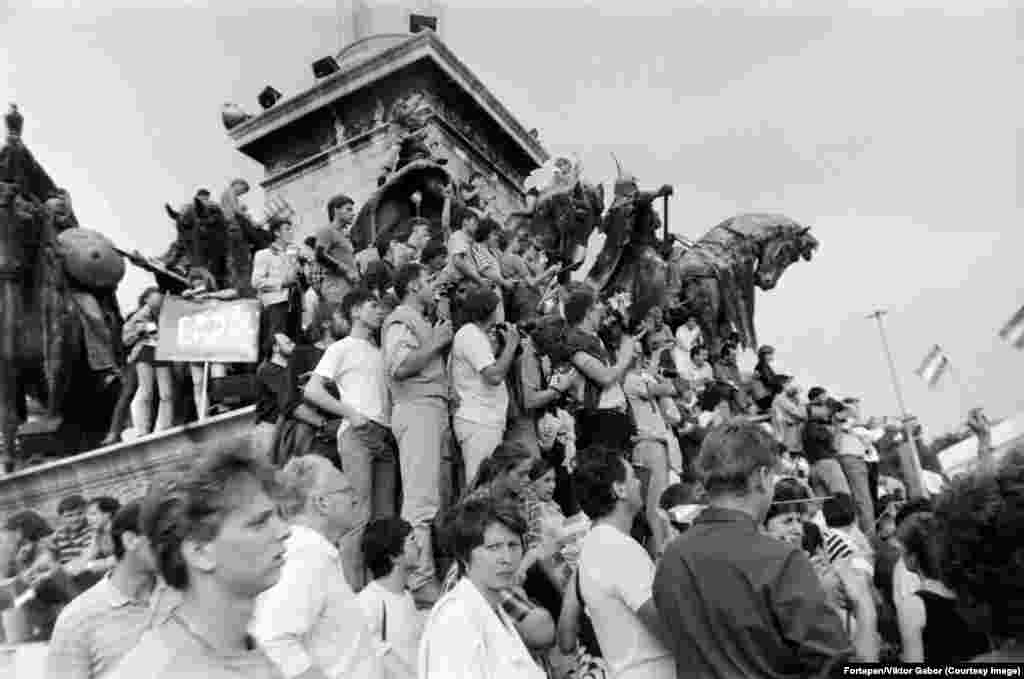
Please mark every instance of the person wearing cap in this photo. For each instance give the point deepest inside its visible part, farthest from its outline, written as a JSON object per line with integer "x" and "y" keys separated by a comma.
{"x": 334, "y": 251}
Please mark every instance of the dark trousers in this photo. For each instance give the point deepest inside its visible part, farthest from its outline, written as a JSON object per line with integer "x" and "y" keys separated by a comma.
{"x": 122, "y": 409}
{"x": 273, "y": 319}
{"x": 609, "y": 428}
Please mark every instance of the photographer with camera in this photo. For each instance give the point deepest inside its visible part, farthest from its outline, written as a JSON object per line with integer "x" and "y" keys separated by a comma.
{"x": 478, "y": 378}
{"x": 827, "y": 475}
{"x": 414, "y": 355}
{"x": 530, "y": 393}
{"x": 604, "y": 418}
{"x": 646, "y": 388}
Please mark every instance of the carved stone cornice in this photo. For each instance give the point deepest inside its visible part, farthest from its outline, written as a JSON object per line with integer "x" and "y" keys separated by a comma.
{"x": 320, "y": 159}
{"x": 425, "y": 45}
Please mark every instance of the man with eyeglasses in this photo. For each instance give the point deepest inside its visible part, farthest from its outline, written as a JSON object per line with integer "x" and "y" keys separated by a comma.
{"x": 310, "y": 623}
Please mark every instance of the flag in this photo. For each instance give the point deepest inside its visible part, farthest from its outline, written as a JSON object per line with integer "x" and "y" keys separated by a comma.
{"x": 1013, "y": 331}
{"x": 934, "y": 366}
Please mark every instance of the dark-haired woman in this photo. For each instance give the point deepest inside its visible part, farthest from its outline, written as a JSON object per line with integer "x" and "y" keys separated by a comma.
{"x": 932, "y": 628}
{"x": 477, "y": 630}
{"x": 981, "y": 519}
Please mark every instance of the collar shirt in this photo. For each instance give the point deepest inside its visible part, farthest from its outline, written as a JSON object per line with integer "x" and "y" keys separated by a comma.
{"x": 311, "y": 617}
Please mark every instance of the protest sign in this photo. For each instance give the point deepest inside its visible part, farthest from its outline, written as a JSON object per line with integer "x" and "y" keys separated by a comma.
{"x": 209, "y": 331}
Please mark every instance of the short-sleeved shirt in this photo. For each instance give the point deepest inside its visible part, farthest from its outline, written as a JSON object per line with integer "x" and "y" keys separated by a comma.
{"x": 171, "y": 651}
{"x": 69, "y": 542}
{"x": 336, "y": 245}
{"x": 479, "y": 401}
{"x": 399, "y": 342}
{"x": 98, "y": 628}
{"x": 487, "y": 263}
{"x": 650, "y": 424}
{"x": 615, "y": 578}
{"x": 737, "y": 603}
{"x": 357, "y": 368}
{"x": 393, "y": 619}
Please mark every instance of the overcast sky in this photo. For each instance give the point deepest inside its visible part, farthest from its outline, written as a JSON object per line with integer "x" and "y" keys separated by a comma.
{"x": 891, "y": 130}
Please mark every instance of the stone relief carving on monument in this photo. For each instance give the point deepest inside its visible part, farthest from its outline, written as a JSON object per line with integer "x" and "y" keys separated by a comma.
{"x": 456, "y": 119}
{"x": 295, "y": 146}
{"x": 412, "y": 138}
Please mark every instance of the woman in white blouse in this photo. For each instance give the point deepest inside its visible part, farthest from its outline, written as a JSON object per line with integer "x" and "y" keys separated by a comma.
{"x": 471, "y": 632}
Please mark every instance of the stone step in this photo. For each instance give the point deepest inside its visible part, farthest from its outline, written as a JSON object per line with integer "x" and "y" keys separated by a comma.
{"x": 122, "y": 470}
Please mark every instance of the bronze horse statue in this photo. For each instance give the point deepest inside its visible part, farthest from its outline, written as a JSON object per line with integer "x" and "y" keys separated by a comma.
{"x": 564, "y": 217}
{"x": 719, "y": 275}
{"x": 60, "y": 326}
{"x": 207, "y": 238}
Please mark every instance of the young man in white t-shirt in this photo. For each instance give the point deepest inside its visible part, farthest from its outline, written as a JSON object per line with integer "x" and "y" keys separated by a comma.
{"x": 391, "y": 553}
{"x": 478, "y": 378}
{"x": 616, "y": 575}
{"x": 366, "y": 446}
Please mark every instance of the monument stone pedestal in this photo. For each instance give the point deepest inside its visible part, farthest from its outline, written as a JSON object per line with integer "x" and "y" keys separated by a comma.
{"x": 336, "y": 136}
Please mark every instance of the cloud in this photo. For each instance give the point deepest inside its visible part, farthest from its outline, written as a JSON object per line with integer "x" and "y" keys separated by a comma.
{"x": 884, "y": 126}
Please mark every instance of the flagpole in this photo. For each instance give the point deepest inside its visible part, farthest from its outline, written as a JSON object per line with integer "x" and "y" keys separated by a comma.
{"x": 911, "y": 463}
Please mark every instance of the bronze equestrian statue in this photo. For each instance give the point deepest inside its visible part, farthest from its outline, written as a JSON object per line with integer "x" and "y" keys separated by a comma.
{"x": 718, "y": 276}
{"x": 216, "y": 237}
{"x": 631, "y": 259}
{"x": 565, "y": 210}
{"x": 60, "y": 325}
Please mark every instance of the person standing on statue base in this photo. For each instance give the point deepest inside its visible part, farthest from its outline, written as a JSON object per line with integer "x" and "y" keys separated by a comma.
{"x": 274, "y": 386}
{"x": 355, "y": 365}
{"x": 418, "y": 381}
{"x": 335, "y": 253}
{"x": 274, "y": 276}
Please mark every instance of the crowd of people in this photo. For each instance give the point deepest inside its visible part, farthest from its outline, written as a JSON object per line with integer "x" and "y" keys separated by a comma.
{"x": 232, "y": 568}
{"x": 466, "y": 465}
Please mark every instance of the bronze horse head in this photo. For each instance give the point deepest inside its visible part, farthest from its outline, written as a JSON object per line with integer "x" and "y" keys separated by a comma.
{"x": 780, "y": 248}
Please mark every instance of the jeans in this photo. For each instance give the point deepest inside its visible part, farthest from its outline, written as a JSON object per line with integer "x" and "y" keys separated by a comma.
{"x": 856, "y": 470}
{"x": 273, "y": 319}
{"x": 827, "y": 477}
{"x": 368, "y": 458}
{"x": 423, "y": 434}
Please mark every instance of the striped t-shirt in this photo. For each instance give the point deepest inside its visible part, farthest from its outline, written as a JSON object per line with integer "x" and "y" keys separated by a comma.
{"x": 840, "y": 546}
{"x": 70, "y": 542}
{"x": 837, "y": 546}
